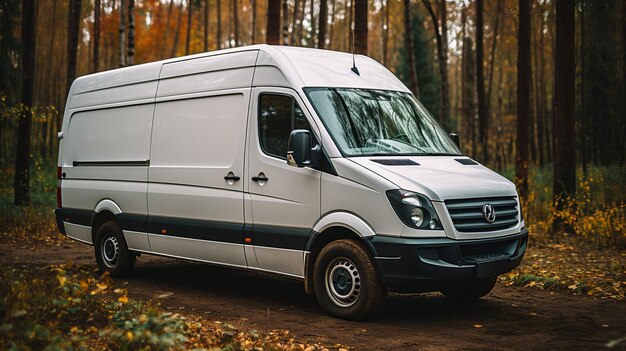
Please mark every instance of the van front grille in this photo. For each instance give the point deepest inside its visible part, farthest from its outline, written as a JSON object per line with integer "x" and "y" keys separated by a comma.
{"x": 467, "y": 214}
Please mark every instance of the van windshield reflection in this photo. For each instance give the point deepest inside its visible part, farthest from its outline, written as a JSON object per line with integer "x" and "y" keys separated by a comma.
{"x": 366, "y": 122}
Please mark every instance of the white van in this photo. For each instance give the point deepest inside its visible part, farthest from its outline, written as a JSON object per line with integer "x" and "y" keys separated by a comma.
{"x": 285, "y": 160}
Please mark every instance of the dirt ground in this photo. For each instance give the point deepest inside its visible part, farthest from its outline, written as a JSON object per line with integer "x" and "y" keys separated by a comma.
{"x": 508, "y": 318}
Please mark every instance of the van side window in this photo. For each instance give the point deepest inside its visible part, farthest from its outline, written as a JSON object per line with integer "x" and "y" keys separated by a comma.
{"x": 278, "y": 116}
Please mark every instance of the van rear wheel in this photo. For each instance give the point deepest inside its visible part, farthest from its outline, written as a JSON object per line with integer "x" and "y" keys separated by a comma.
{"x": 346, "y": 282}
{"x": 112, "y": 254}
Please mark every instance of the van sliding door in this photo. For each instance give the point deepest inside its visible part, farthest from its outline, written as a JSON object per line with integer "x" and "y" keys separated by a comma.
{"x": 195, "y": 190}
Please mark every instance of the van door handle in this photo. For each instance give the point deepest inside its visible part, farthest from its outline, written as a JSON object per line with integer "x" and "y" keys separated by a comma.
{"x": 260, "y": 179}
{"x": 232, "y": 177}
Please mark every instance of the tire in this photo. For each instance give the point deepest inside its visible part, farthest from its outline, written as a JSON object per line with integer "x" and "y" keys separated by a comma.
{"x": 112, "y": 253}
{"x": 474, "y": 291}
{"x": 346, "y": 282}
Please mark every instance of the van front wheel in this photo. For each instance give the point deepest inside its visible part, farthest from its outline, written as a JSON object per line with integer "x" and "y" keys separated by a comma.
{"x": 112, "y": 253}
{"x": 346, "y": 282}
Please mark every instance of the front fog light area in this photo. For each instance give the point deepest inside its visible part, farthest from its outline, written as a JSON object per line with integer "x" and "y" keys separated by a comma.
{"x": 414, "y": 210}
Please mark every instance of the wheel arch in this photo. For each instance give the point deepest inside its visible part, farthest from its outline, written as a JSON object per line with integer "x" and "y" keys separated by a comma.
{"x": 332, "y": 227}
{"x": 106, "y": 210}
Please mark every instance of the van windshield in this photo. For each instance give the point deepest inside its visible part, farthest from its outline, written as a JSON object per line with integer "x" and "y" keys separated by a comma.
{"x": 366, "y": 122}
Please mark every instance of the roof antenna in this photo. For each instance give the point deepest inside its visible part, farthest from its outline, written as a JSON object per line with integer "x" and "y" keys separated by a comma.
{"x": 353, "y": 69}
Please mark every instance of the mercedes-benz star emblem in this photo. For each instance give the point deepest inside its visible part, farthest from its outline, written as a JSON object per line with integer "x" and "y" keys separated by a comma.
{"x": 489, "y": 212}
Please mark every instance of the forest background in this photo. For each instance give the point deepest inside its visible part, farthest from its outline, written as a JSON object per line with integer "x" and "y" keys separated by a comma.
{"x": 535, "y": 89}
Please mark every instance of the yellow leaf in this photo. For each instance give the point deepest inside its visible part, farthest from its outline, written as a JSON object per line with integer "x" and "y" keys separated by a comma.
{"x": 102, "y": 286}
{"x": 123, "y": 299}
{"x": 74, "y": 329}
{"x": 129, "y": 335}
{"x": 478, "y": 325}
{"x": 62, "y": 279}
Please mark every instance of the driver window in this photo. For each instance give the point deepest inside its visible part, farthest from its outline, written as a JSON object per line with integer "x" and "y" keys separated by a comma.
{"x": 278, "y": 116}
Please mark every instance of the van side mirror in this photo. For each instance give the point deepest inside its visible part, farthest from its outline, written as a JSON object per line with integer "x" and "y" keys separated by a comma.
{"x": 455, "y": 138}
{"x": 299, "y": 151}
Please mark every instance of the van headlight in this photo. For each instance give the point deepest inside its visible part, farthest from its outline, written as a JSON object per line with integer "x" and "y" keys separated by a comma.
{"x": 415, "y": 210}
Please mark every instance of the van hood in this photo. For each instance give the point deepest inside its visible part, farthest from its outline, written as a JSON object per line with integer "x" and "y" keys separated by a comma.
{"x": 439, "y": 177}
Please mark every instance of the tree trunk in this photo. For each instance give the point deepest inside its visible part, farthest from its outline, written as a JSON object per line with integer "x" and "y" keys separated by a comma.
{"x": 96, "y": 34}
{"x": 219, "y": 25}
{"x": 166, "y": 35}
{"x": 523, "y": 98}
{"x": 385, "y": 32}
{"x": 483, "y": 115}
{"x": 236, "y": 21}
{"x": 189, "y": 22}
{"x": 313, "y": 24}
{"x": 72, "y": 40}
{"x": 205, "y": 28}
{"x": 177, "y": 34}
{"x": 350, "y": 23}
{"x": 408, "y": 42}
{"x": 492, "y": 59}
{"x": 131, "y": 32}
{"x": 230, "y": 25}
{"x": 285, "y": 22}
{"x": 273, "y": 22}
{"x": 301, "y": 25}
{"x": 564, "y": 93}
{"x": 122, "y": 31}
{"x": 441, "y": 56}
{"x": 331, "y": 24}
{"x": 360, "y": 27}
{"x": 253, "y": 29}
{"x": 323, "y": 23}
{"x": 295, "y": 22}
{"x": 623, "y": 148}
{"x": 22, "y": 157}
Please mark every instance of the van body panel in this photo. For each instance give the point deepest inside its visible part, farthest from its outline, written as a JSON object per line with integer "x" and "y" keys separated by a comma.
{"x": 78, "y": 232}
{"x": 86, "y": 194}
{"x": 269, "y": 76}
{"x": 125, "y": 93}
{"x": 206, "y": 82}
{"x": 442, "y": 177}
{"x": 137, "y": 240}
{"x": 196, "y": 143}
{"x": 277, "y": 260}
{"x": 128, "y": 84}
{"x": 287, "y": 205}
{"x": 97, "y": 136}
{"x": 366, "y": 199}
{"x": 199, "y": 250}
{"x": 212, "y": 63}
{"x": 346, "y": 220}
{"x": 199, "y": 141}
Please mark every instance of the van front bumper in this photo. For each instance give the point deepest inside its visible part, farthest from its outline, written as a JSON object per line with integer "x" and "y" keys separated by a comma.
{"x": 433, "y": 264}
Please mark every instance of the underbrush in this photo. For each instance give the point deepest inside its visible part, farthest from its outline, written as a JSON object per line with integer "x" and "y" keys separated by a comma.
{"x": 67, "y": 307}
{"x": 70, "y": 307}
{"x": 597, "y": 214}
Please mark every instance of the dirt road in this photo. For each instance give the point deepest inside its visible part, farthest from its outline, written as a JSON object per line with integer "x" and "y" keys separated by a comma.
{"x": 508, "y": 318}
